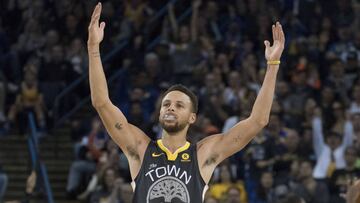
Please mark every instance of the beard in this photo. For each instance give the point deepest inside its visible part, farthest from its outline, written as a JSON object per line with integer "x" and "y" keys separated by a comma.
{"x": 172, "y": 128}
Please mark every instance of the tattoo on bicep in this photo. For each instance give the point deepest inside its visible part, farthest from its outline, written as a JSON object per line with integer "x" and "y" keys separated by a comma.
{"x": 118, "y": 126}
{"x": 211, "y": 160}
{"x": 133, "y": 153}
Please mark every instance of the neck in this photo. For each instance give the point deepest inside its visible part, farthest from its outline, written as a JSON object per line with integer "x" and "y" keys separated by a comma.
{"x": 174, "y": 141}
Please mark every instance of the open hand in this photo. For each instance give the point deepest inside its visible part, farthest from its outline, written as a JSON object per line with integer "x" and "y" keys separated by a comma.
{"x": 96, "y": 32}
{"x": 273, "y": 53}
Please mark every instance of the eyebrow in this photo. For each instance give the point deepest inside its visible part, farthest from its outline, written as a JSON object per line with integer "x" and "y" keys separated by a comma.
{"x": 168, "y": 100}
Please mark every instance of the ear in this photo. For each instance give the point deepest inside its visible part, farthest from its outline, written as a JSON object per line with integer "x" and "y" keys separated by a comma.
{"x": 192, "y": 118}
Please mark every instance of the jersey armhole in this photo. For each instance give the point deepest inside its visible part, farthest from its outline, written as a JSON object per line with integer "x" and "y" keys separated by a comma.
{"x": 142, "y": 163}
{"x": 198, "y": 166}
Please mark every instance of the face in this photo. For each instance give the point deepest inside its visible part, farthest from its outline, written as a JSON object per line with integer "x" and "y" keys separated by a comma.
{"x": 184, "y": 34}
{"x": 267, "y": 180}
{"x": 327, "y": 95}
{"x": 234, "y": 79}
{"x": 292, "y": 140}
{"x": 176, "y": 112}
{"x": 211, "y": 200}
{"x": 57, "y": 53}
{"x": 356, "y": 93}
{"x": 337, "y": 69}
{"x": 233, "y": 196}
{"x": 333, "y": 141}
{"x": 350, "y": 156}
{"x": 338, "y": 110}
{"x": 274, "y": 122}
{"x": 282, "y": 88}
{"x": 71, "y": 22}
{"x": 356, "y": 122}
{"x": 305, "y": 170}
{"x": 225, "y": 174}
{"x": 52, "y": 37}
{"x": 109, "y": 178}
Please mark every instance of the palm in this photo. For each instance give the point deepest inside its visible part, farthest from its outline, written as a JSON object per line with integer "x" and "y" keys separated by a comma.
{"x": 96, "y": 31}
{"x": 273, "y": 53}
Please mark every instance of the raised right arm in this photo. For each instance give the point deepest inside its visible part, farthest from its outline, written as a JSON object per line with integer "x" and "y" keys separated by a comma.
{"x": 129, "y": 138}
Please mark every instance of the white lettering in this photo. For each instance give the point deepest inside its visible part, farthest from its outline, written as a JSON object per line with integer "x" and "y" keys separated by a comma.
{"x": 161, "y": 175}
{"x": 173, "y": 168}
{"x": 168, "y": 171}
{"x": 149, "y": 173}
{"x": 186, "y": 177}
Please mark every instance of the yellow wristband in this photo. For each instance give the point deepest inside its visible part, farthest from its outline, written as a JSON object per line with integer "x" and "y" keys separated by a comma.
{"x": 273, "y": 62}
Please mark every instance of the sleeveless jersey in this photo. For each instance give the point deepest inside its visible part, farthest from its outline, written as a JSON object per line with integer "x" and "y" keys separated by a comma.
{"x": 166, "y": 177}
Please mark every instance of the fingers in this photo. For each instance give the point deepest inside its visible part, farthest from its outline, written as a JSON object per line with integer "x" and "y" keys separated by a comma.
{"x": 102, "y": 25}
{"x": 273, "y": 32}
{"x": 281, "y": 34}
{"x": 96, "y": 15}
{"x": 267, "y": 44}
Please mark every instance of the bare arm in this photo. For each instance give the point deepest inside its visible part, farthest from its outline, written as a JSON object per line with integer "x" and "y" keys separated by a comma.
{"x": 130, "y": 139}
{"x": 173, "y": 23}
{"x": 318, "y": 137}
{"x": 194, "y": 19}
{"x": 243, "y": 132}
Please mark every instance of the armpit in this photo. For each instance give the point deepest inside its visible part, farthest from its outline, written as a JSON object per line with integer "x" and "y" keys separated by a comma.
{"x": 133, "y": 153}
{"x": 211, "y": 160}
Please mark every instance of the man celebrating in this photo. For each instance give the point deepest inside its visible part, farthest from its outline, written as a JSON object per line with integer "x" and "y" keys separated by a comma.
{"x": 171, "y": 169}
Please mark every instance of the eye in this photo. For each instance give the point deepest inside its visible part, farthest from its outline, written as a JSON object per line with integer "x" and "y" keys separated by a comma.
{"x": 179, "y": 106}
{"x": 166, "y": 104}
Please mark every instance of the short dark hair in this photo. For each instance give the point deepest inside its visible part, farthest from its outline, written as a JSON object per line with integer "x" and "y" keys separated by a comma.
{"x": 188, "y": 92}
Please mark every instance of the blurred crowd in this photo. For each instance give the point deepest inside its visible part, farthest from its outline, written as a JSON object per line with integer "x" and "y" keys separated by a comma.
{"x": 311, "y": 146}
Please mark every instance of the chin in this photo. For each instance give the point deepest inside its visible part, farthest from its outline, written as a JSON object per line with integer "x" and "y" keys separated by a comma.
{"x": 172, "y": 128}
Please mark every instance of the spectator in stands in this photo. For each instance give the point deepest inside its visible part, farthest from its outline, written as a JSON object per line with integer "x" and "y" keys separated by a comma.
{"x": 185, "y": 52}
{"x": 80, "y": 173}
{"x": 210, "y": 200}
{"x": 29, "y": 189}
{"x": 109, "y": 189}
{"x": 309, "y": 188}
{"x": 227, "y": 180}
{"x": 233, "y": 195}
{"x": 265, "y": 192}
{"x": 340, "y": 177}
{"x": 355, "y": 100}
{"x": 30, "y": 99}
{"x": 329, "y": 151}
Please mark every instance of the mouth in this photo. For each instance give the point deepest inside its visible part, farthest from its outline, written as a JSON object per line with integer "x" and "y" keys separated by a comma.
{"x": 169, "y": 117}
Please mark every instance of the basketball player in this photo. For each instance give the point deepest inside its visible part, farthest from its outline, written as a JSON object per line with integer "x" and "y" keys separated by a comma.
{"x": 172, "y": 169}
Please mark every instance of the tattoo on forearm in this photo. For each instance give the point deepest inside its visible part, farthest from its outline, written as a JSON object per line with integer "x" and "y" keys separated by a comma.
{"x": 237, "y": 138}
{"x": 118, "y": 126}
{"x": 95, "y": 54}
{"x": 211, "y": 160}
{"x": 133, "y": 153}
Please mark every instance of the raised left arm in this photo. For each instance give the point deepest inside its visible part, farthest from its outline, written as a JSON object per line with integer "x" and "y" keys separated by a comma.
{"x": 214, "y": 149}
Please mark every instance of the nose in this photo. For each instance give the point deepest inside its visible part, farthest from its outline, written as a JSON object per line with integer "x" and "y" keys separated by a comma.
{"x": 171, "y": 108}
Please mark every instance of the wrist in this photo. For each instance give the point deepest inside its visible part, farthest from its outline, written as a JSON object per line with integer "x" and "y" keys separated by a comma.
{"x": 93, "y": 47}
{"x": 273, "y": 62}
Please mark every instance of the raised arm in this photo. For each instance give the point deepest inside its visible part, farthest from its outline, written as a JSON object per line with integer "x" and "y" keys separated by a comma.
{"x": 194, "y": 19}
{"x": 318, "y": 137}
{"x": 173, "y": 22}
{"x": 130, "y": 139}
{"x": 214, "y": 149}
{"x": 348, "y": 134}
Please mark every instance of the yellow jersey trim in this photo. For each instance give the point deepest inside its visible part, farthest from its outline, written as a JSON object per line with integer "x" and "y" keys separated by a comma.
{"x": 172, "y": 156}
